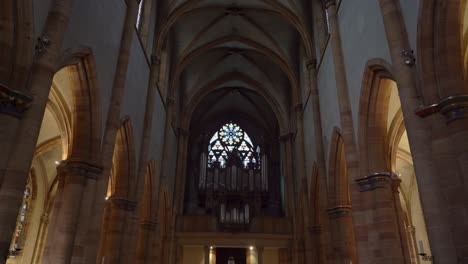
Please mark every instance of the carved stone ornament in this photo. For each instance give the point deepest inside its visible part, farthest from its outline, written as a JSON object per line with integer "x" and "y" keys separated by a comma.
{"x": 452, "y": 107}
{"x": 13, "y": 102}
{"x": 123, "y": 204}
{"x": 408, "y": 57}
{"x": 43, "y": 42}
{"x": 311, "y": 64}
{"x": 339, "y": 211}
{"x": 375, "y": 181}
{"x": 78, "y": 168}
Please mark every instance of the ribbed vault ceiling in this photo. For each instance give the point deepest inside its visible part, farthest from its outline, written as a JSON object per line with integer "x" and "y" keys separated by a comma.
{"x": 236, "y": 57}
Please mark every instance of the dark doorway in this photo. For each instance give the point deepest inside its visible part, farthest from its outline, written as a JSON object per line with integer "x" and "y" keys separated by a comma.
{"x": 223, "y": 255}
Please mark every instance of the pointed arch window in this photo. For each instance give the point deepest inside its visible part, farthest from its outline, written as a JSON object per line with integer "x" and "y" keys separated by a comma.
{"x": 19, "y": 236}
{"x": 230, "y": 142}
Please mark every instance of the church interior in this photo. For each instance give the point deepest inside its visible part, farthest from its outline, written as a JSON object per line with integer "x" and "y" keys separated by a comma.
{"x": 234, "y": 131}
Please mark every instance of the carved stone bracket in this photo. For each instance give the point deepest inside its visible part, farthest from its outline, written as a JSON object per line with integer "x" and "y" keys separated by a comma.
{"x": 123, "y": 204}
{"x": 43, "y": 42}
{"x": 375, "y": 181}
{"x": 79, "y": 168}
{"x": 155, "y": 60}
{"x": 147, "y": 225}
{"x": 339, "y": 211}
{"x": 452, "y": 107}
{"x": 13, "y": 102}
{"x": 311, "y": 64}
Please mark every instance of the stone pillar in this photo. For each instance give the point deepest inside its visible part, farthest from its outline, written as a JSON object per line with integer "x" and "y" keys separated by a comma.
{"x": 111, "y": 128}
{"x": 120, "y": 208}
{"x": 444, "y": 199}
{"x": 342, "y": 235}
{"x": 400, "y": 221}
{"x": 15, "y": 164}
{"x": 414, "y": 251}
{"x": 206, "y": 250}
{"x": 316, "y": 234}
{"x": 318, "y": 238}
{"x": 38, "y": 248}
{"x": 147, "y": 230}
{"x": 259, "y": 255}
{"x": 378, "y": 221}
{"x": 73, "y": 176}
{"x": 341, "y": 221}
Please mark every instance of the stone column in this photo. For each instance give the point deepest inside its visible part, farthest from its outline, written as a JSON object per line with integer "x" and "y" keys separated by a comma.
{"x": 342, "y": 235}
{"x": 414, "y": 251}
{"x": 378, "y": 221}
{"x": 444, "y": 199}
{"x": 341, "y": 220}
{"x": 318, "y": 238}
{"x": 147, "y": 230}
{"x": 111, "y": 128}
{"x": 15, "y": 165}
{"x": 120, "y": 208}
{"x": 206, "y": 250}
{"x": 259, "y": 255}
{"x": 73, "y": 176}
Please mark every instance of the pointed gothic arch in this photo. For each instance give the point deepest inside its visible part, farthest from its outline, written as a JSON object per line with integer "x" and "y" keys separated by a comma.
{"x": 338, "y": 186}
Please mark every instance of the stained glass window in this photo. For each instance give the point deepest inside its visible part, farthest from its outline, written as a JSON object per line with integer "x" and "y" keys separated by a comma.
{"x": 231, "y": 140}
{"x": 19, "y": 235}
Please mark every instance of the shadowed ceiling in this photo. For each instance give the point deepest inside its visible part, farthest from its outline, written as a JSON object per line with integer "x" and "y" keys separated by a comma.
{"x": 238, "y": 58}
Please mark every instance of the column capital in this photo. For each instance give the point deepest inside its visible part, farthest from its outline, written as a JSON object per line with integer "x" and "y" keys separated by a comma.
{"x": 122, "y": 203}
{"x": 411, "y": 230}
{"x": 452, "y": 107}
{"x": 45, "y": 218}
{"x": 79, "y": 168}
{"x": 311, "y": 64}
{"x": 339, "y": 211}
{"x": 155, "y": 59}
{"x": 12, "y": 102}
{"x": 376, "y": 180}
{"x": 329, "y": 3}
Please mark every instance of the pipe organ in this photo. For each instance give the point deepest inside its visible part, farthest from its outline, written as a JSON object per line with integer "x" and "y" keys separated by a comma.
{"x": 233, "y": 178}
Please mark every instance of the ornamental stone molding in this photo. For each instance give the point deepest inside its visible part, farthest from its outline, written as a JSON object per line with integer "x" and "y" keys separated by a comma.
{"x": 78, "y": 168}
{"x": 339, "y": 211}
{"x": 452, "y": 107}
{"x": 13, "y": 103}
{"x": 148, "y": 225}
{"x": 377, "y": 180}
{"x": 123, "y": 204}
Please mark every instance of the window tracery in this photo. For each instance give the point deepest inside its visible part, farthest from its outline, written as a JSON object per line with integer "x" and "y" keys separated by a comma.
{"x": 232, "y": 140}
